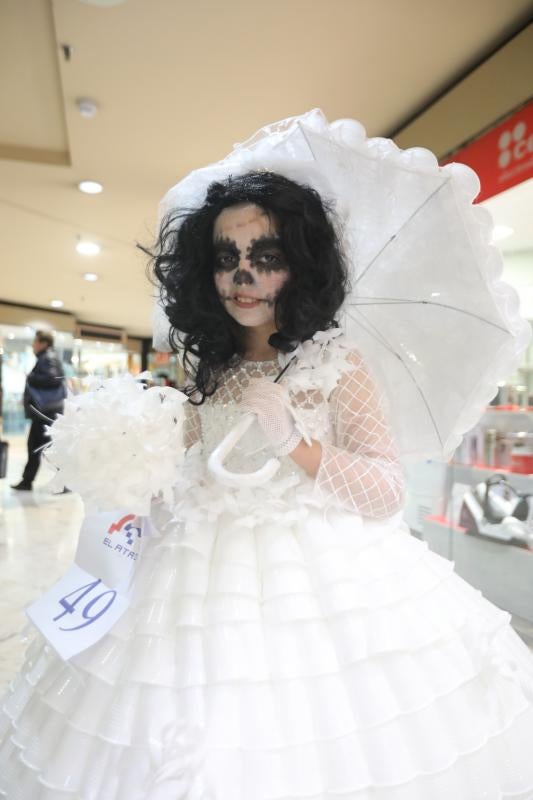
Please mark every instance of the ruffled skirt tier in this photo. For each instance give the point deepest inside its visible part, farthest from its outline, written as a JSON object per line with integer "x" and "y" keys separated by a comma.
{"x": 322, "y": 659}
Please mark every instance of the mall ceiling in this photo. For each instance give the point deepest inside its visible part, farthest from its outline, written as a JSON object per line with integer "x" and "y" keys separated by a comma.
{"x": 176, "y": 83}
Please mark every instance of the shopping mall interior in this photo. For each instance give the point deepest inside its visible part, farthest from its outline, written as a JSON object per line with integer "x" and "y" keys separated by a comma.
{"x": 108, "y": 103}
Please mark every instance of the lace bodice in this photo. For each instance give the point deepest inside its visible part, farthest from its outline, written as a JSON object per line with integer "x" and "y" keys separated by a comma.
{"x": 218, "y": 415}
{"x": 336, "y": 403}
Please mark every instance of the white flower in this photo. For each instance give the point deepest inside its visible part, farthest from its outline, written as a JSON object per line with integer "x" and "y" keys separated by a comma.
{"x": 319, "y": 362}
{"x": 119, "y": 444}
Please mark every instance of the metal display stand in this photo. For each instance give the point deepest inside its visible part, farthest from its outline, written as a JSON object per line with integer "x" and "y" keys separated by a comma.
{"x": 503, "y": 572}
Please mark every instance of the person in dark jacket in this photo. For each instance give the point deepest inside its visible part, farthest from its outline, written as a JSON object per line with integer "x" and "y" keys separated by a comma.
{"x": 44, "y": 391}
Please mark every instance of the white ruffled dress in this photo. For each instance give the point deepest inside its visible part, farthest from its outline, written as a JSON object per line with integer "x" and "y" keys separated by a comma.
{"x": 290, "y": 642}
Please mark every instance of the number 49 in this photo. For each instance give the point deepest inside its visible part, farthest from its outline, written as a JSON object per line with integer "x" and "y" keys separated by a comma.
{"x": 79, "y": 594}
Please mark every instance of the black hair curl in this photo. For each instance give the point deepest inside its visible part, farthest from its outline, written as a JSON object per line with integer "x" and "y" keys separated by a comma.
{"x": 183, "y": 267}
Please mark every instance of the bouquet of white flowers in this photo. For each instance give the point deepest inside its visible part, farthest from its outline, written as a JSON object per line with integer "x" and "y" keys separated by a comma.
{"x": 119, "y": 444}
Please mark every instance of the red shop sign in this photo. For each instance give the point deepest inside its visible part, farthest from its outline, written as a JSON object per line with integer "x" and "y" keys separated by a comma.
{"x": 503, "y": 156}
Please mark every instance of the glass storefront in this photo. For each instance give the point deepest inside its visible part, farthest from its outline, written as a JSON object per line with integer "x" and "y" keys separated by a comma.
{"x": 165, "y": 369}
{"x": 83, "y": 360}
{"x": 97, "y": 359}
{"x": 17, "y": 360}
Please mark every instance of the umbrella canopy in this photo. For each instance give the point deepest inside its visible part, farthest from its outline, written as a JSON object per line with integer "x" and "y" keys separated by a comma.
{"x": 426, "y": 308}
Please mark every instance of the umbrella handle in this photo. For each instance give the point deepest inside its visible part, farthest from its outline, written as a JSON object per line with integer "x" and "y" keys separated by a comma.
{"x": 216, "y": 460}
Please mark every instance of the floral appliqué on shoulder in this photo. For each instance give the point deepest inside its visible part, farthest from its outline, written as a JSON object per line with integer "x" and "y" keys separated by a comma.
{"x": 320, "y": 362}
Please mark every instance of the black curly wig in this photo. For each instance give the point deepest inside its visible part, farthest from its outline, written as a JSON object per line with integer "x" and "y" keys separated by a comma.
{"x": 183, "y": 261}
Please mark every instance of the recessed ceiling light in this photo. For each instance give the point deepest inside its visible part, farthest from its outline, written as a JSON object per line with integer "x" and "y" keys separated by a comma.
{"x": 88, "y": 248}
{"x": 102, "y": 2}
{"x": 87, "y": 107}
{"x": 500, "y": 232}
{"x": 90, "y": 276}
{"x": 57, "y": 303}
{"x": 90, "y": 187}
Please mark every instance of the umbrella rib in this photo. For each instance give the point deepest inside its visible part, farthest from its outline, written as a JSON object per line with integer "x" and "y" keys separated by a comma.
{"x": 386, "y": 301}
{"x": 407, "y": 221}
{"x": 302, "y": 129}
{"x": 372, "y": 331}
{"x": 375, "y": 333}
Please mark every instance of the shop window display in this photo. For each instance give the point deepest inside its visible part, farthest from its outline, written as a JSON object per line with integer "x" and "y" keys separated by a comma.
{"x": 166, "y": 369}
{"x": 17, "y": 361}
{"x": 82, "y": 359}
{"x": 98, "y": 359}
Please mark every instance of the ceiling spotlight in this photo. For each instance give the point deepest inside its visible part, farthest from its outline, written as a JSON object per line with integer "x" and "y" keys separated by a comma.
{"x": 500, "y": 232}
{"x": 57, "y": 303}
{"x": 90, "y": 187}
{"x": 87, "y": 107}
{"x": 90, "y": 276}
{"x": 87, "y": 248}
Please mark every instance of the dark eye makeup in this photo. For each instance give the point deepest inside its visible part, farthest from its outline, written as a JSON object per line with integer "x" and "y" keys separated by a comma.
{"x": 265, "y": 254}
{"x": 227, "y": 255}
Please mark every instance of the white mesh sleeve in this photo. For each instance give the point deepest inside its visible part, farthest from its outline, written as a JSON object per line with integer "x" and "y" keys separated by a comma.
{"x": 360, "y": 471}
{"x": 192, "y": 426}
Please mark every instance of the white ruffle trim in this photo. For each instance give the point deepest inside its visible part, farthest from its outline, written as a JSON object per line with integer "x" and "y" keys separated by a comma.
{"x": 323, "y": 660}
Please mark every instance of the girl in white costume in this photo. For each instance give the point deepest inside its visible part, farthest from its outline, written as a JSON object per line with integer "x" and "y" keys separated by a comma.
{"x": 290, "y": 641}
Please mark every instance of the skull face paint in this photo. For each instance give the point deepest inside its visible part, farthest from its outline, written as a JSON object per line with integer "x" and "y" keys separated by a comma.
{"x": 250, "y": 268}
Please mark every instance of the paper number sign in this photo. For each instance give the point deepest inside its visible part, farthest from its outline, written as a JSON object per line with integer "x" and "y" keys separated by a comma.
{"x": 76, "y": 611}
{"x": 79, "y": 594}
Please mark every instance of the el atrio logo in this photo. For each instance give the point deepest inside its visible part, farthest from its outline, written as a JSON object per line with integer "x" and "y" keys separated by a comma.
{"x": 129, "y": 528}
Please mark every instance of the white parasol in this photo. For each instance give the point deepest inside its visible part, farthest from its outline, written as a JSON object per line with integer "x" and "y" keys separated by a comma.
{"x": 427, "y": 309}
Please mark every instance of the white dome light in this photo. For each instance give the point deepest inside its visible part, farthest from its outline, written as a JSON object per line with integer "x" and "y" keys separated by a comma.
{"x": 88, "y": 248}
{"x": 102, "y": 2}
{"x": 90, "y": 276}
{"x": 87, "y": 107}
{"x": 90, "y": 187}
{"x": 57, "y": 303}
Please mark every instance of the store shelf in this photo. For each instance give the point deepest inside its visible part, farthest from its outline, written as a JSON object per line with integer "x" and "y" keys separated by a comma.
{"x": 524, "y": 629}
{"x": 508, "y": 420}
{"x": 438, "y": 533}
{"x": 502, "y": 572}
{"x": 463, "y": 473}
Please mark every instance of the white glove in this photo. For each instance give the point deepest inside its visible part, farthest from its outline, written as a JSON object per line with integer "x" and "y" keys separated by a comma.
{"x": 270, "y": 402}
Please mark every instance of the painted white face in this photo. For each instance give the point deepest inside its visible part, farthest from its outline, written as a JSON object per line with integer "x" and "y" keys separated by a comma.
{"x": 250, "y": 267}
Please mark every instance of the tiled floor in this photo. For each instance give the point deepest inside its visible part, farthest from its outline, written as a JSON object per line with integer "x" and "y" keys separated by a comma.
{"x": 38, "y": 533}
